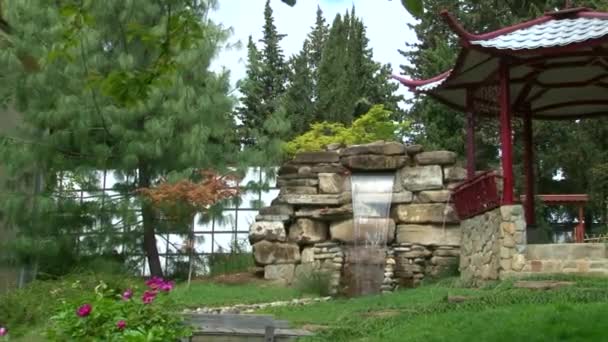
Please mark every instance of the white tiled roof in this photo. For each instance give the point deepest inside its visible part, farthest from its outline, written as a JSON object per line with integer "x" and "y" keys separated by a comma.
{"x": 432, "y": 85}
{"x": 549, "y": 34}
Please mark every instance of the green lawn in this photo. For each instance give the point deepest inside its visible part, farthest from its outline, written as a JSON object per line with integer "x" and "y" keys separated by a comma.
{"x": 496, "y": 313}
{"x": 210, "y": 294}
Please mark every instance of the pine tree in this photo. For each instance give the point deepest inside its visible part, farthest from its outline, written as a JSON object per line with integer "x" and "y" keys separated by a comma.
{"x": 350, "y": 81}
{"x": 274, "y": 69}
{"x": 126, "y": 87}
{"x": 316, "y": 43}
{"x": 265, "y": 82}
{"x": 333, "y": 103}
{"x": 298, "y": 99}
{"x": 251, "y": 107}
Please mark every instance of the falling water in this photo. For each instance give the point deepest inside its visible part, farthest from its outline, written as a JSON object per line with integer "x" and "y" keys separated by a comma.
{"x": 372, "y": 196}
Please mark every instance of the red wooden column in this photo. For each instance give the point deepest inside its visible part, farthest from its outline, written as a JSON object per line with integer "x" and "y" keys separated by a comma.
{"x": 470, "y": 135}
{"x": 529, "y": 167}
{"x": 505, "y": 134}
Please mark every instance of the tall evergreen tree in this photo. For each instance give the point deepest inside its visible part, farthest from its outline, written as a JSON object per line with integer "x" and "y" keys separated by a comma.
{"x": 136, "y": 96}
{"x": 265, "y": 82}
{"x": 251, "y": 87}
{"x": 298, "y": 100}
{"x": 316, "y": 43}
{"x": 274, "y": 69}
{"x": 350, "y": 81}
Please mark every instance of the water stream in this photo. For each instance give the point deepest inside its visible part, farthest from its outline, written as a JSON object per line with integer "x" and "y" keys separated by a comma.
{"x": 372, "y": 196}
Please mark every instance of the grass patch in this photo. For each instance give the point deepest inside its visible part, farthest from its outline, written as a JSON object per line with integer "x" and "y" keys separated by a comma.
{"x": 205, "y": 293}
{"x": 497, "y": 312}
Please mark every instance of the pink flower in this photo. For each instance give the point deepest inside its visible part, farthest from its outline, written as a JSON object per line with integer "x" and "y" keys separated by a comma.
{"x": 121, "y": 325}
{"x": 155, "y": 283}
{"x": 127, "y": 294}
{"x": 3, "y": 331}
{"x": 148, "y": 297}
{"x": 166, "y": 286}
{"x": 84, "y": 310}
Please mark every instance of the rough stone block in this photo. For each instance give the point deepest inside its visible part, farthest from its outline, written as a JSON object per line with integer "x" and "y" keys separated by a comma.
{"x": 287, "y": 168}
{"x": 331, "y": 183}
{"x": 270, "y": 231}
{"x": 378, "y": 230}
{"x": 307, "y": 255}
{"x": 507, "y": 228}
{"x": 280, "y": 209}
{"x": 518, "y": 262}
{"x": 282, "y": 182}
{"x": 437, "y": 196}
{"x": 428, "y": 235}
{"x": 306, "y": 231}
{"x": 327, "y": 214}
{"x": 266, "y": 253}
{"x": 373, "y": 162}
{"x": 505, "y": 264}
{"x": 316, "y": 157}
{"x": 402, "y": 197}
{"x": 382, "y": 148}
{"x": 452, "y": 252}
{"x": 273, "y": 218}
{"x": 329, "y": 168}
{"x": 436, "y": 158}
{"x": 454, "y": 174}
{"x": 284, "y": 273}
{"x": 413, "y": 149}
{"x": 511, "y": 212}
{"x": 333, "y": 199}
{"x": 304, "y": 270}
{"x": 424, "y": 213}
{"x": 303, "y": 190}
{"x": 421, "y": 178}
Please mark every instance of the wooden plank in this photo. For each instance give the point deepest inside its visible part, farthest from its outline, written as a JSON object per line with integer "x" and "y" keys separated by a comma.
{"x": 269, "y": 334}
{"x": 236, "y": 321}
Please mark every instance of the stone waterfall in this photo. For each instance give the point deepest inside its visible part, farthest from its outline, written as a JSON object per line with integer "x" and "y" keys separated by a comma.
{"x": 366, "y": 258}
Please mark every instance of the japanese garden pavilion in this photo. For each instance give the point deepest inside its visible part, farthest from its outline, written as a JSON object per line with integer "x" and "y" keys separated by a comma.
{"x": 554, "y": 67}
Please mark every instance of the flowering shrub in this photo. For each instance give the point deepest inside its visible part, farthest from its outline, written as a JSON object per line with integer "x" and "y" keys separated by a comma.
{"x": 111, "y": 315}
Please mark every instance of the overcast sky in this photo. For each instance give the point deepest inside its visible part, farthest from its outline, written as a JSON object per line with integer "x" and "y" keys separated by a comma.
{"x": 386, "y": 23}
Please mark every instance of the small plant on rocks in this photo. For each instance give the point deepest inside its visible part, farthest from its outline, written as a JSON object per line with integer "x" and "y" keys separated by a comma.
{"x": 130, "y": 315}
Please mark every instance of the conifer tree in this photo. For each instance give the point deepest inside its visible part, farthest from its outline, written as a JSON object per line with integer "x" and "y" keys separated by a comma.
{"x": 298, "y": 100}
{"x": 251, "y": 107}
{"x": 316, "y": 43}
{"x": 123, "y": 86}
{"x": 274, "y": 69}
{"x": 265, "y": 82}
{"x": 350, "y": 81}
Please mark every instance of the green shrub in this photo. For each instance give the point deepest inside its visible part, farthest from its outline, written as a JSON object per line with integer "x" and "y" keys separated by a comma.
{"x": 31, "y": 306}
{"x": 236, "y": 260}
{"x": 314, "y": 283}
{"x": 126, "y": 315}
{"x": 373, "y": 126}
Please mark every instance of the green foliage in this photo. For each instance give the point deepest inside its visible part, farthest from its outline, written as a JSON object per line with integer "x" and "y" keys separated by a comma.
{"x": 399, "y": 316}
{"x": 373, "y": 126}
{"x": 23, "y": 309}
{"x": 349, "y": 80}
{"x": 314, "y": 283}
{"x": 117, "y": 317}
{"x": 233, "y": 260}
{"x": 136, "y": 97}
{"x": 265, "y": 82}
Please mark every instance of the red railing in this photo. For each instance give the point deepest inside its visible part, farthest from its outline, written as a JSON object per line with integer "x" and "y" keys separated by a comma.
{"x": 477, "y": 195}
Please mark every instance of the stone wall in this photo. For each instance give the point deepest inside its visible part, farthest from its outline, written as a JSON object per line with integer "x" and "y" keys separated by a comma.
{"x": 492, "y": 243}
{"x": 309, "y": 226}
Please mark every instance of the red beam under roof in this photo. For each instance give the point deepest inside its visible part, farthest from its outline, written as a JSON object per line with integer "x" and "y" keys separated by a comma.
{"x": 561, "y": 199}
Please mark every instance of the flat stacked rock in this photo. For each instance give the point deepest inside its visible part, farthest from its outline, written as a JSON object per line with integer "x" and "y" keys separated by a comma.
{"x": 314, "y": 214}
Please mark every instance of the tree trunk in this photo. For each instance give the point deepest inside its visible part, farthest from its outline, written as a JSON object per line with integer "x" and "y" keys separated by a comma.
{"x": 147, "y": 214}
